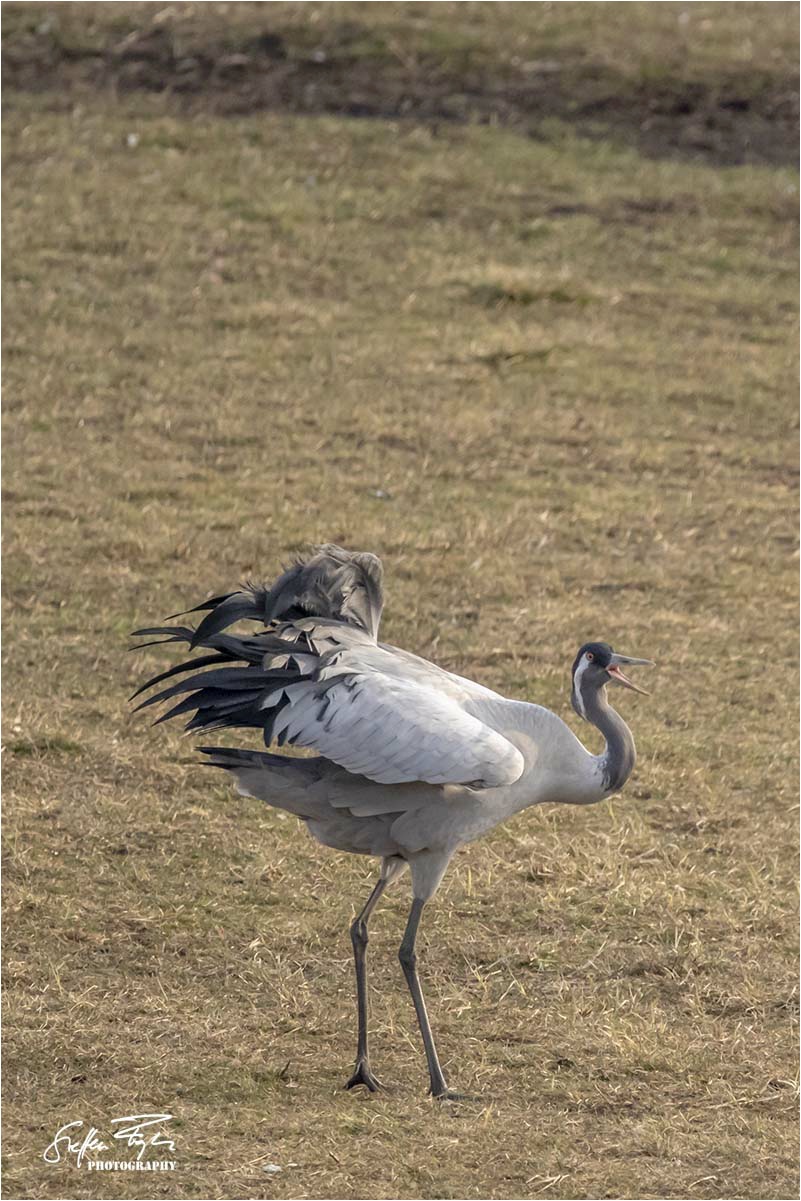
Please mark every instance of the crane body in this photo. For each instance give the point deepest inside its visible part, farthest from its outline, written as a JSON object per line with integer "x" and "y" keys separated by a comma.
{"x": 412, "y": 761}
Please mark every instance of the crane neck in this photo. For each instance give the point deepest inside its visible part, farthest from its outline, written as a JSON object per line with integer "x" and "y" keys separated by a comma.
{"x": 620, "y": 754}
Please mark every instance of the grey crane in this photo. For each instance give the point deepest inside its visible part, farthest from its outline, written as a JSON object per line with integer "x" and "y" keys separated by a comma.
{"x": 412, "y": 761}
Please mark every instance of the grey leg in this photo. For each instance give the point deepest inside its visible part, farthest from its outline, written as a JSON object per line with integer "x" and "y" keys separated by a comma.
{"x": 359, "y": 938}
{"x": 408, "y": 959}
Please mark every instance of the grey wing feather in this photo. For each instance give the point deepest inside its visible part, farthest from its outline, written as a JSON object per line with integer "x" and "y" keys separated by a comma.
{"x": 399, "y": 724}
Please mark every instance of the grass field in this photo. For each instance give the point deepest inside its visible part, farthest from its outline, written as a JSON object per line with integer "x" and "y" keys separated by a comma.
{"x": 505, "y": 293}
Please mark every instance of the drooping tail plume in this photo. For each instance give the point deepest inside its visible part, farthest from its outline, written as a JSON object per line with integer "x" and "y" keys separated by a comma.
{"x": 331, "y": 582}
{"x": 248, "y": 674}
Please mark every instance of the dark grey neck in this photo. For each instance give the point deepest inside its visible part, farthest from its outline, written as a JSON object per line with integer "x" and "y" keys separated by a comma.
{"x": 620, "y": 755}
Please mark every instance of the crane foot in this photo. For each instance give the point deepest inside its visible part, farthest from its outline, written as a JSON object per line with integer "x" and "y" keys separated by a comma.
{"x": 363, "y": 1075}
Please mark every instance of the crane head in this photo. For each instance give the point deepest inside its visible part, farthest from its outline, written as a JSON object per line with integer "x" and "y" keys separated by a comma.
{"x": 597, "y": 665}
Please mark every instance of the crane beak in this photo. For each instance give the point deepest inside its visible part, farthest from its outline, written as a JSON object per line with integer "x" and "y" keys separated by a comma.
{"x": 613, "y": 669}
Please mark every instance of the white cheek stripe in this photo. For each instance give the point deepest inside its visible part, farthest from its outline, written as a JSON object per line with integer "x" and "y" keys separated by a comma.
{"x": 582, "y": 667}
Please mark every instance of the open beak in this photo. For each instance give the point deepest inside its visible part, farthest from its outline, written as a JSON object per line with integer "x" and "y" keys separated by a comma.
{"x": 614, "y": 670}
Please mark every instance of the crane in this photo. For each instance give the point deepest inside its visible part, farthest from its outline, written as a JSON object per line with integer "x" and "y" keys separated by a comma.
{"x": 411, "y": 761}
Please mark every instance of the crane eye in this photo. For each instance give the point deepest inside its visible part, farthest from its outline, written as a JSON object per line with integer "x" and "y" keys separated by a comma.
{"x": 589, "y": 656}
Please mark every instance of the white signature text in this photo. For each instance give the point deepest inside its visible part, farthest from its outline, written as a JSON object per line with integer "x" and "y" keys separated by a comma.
{"x": 135, "y": 1131}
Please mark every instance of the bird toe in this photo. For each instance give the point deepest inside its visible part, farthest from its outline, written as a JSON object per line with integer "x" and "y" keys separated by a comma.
{"x": 450, "y": 1095}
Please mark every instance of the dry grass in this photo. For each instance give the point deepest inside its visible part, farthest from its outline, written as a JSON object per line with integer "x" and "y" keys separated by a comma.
{"x": 552, "y": 382}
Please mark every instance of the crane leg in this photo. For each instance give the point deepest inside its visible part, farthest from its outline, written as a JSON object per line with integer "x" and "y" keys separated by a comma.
{"x": 359, "y": 937}
{"x": 408, "y": 959}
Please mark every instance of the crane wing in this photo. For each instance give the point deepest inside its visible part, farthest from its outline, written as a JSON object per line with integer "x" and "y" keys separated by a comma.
{"x": 375, "y": 719}
{"x": 316, "y": 677}
{"x": 328, "y": 686}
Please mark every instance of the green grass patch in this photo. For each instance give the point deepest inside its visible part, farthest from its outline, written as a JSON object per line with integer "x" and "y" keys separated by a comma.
{"x": 44, "y": 745}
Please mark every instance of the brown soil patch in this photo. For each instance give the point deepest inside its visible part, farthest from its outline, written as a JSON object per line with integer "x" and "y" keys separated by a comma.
{"x": 732, "y": 117}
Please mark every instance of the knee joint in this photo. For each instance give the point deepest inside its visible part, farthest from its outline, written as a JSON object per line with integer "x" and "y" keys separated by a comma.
{"x": 358, "y": 933}
{"x": 407, "y": 957}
